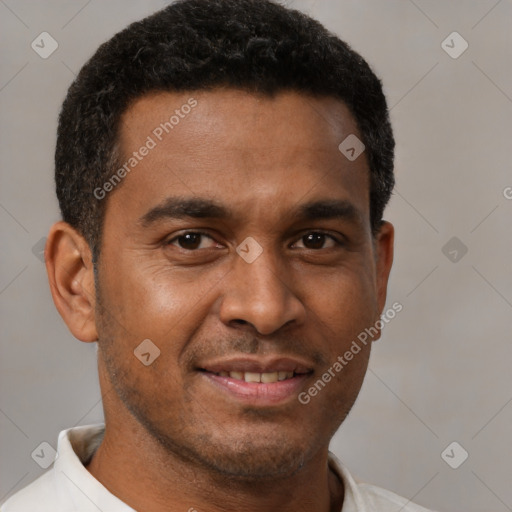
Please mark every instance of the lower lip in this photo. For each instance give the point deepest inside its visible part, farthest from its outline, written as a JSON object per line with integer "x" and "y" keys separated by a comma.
{"x": 259, "y": 393}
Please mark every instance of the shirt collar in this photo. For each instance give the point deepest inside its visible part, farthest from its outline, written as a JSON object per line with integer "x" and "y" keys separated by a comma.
{"x": 75, "y": 448}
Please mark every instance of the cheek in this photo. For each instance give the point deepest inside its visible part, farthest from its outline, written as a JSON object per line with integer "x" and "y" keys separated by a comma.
{"x": 345, "y": 302}
{"x": 151, "y": 300}
{"x": 160, "y": 304}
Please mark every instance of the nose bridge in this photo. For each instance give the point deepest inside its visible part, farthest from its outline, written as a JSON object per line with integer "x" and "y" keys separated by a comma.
{"x": 263, "y": 277}
{"x": 258, "y": 291}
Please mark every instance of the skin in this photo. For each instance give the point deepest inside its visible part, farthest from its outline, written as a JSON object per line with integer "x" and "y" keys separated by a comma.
{"x": 180, "y": 440}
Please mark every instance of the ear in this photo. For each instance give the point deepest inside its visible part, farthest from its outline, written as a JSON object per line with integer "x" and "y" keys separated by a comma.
{"x": 384, "y": 245}
{"x": 71, "y": 276}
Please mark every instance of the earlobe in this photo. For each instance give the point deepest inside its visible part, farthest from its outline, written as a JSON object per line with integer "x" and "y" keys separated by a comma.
{"x": 71, "y": 277}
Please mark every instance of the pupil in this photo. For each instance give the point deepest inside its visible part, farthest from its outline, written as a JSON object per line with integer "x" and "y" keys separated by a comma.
{"x": 190, "y": 240}
{"x": 316, "y": 240}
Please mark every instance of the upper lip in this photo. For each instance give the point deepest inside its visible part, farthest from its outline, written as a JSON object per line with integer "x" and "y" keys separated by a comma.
{"x": 258, "y": 365}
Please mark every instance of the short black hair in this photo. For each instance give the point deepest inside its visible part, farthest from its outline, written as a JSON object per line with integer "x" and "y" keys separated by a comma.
{"x": 258, "y": 46}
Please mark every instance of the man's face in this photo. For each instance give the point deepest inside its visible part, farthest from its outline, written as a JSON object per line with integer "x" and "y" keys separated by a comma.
{"x": 169, "y": 271}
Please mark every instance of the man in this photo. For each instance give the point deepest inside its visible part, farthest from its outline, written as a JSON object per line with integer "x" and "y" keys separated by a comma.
{"x": 222, "y": 169}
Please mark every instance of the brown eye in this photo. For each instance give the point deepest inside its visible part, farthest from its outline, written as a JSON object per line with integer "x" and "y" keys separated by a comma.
{"x": 314, "y": 240}
{"x": 317, "y": 239}
{"x": 191, "y": 240}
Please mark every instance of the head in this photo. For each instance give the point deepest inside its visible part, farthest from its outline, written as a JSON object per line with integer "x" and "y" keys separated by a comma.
{"x": 208, "y": 208}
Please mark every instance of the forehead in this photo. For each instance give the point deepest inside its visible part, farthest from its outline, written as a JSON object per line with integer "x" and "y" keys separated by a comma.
{"x": 239, "y": 148}
{"x": 235, "y": 118}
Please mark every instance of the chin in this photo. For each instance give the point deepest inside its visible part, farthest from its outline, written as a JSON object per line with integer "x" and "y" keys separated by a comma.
{"x": 250, "y": 460}
{"x": 239, "y": 455}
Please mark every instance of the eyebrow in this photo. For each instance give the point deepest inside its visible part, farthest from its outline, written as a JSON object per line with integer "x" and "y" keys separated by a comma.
{"x": 201, "y": 208}
{"x": 179, "y": 208}
{"x": 340, "y": 209}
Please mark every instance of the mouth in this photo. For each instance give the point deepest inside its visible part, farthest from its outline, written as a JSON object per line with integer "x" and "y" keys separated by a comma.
{"x": 265, "y": 378}
{"x": 260, "y": 383}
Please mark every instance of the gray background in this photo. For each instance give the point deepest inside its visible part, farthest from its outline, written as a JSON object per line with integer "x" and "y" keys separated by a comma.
{"x": 441, "y": 372}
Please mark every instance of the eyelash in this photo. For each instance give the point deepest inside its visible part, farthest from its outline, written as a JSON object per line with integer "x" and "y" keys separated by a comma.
{"x": 328, "y": 235}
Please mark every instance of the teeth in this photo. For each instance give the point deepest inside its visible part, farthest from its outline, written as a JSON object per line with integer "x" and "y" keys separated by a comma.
{"x": 252, "y": 377}
{"x": 269, "y": 377}
{"x": 258, "y": 377}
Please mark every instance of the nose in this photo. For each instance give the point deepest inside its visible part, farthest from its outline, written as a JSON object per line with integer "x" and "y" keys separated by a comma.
{"x": 262, "y": 294}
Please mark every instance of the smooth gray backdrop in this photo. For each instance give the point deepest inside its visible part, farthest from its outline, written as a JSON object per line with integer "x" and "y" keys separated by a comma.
{"x": 441, "y": 372}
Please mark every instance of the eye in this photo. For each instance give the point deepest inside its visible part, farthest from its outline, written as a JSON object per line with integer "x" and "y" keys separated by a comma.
{"x": 316, "y": 240}
{"x": 190, "y": 240}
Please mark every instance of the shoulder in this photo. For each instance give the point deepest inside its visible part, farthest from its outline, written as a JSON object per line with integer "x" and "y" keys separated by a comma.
{"x": 39, "y": 495}
{"x": 363, "y": 497}
{"x": 382, "y": 500}
{"x": 62, "y": 486}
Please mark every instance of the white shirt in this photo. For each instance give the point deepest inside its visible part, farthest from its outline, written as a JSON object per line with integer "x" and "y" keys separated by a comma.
{"x": 69, "y": 487}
